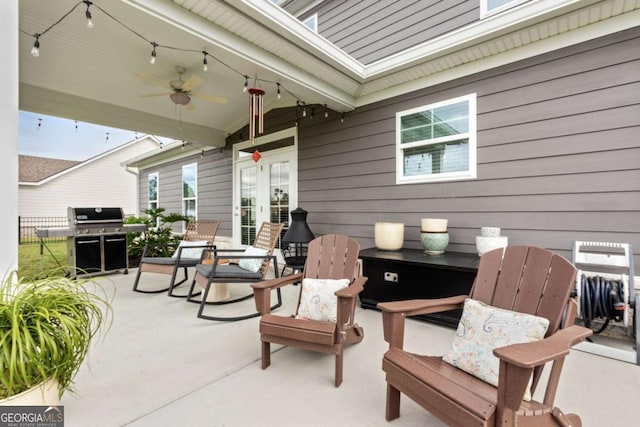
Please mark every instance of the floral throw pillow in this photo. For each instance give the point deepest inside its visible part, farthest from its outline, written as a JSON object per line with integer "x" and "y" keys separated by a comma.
{"x": 483, "y": 328}
{"x": 318, "y": 300}
{"x": 188, "y": 251}
{"x": 252, "y": 264}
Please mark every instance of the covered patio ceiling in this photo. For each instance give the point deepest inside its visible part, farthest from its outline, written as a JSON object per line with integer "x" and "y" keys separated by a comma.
{"x": 103, "y": 75}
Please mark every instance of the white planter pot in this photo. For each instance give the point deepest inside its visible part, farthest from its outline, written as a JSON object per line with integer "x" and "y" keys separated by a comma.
{"x": 44, "y": 394}
{"x": 389, "y": 236}
{"x": 486, "y": 244}
{"x": 434, "y": 225}
{"x": 489, "y": 231}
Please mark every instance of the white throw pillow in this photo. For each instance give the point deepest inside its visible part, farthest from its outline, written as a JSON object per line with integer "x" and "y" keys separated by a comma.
{"x": 252, "y": 264}
{"x": 483, "y": 328}
{"x": 318, "y": 300}
{"x": 189, "y": 252}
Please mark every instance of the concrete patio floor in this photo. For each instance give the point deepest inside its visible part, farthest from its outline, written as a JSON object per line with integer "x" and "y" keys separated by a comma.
{"x": 159, "y": 365}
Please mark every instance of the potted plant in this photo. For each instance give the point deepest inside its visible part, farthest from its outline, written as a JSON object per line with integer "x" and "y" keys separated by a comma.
{"x": 46, "y": 329}
{"x": 159, "y": 237}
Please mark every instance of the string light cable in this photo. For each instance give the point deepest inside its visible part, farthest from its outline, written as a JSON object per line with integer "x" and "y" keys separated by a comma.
{"x": 35, "y": 51}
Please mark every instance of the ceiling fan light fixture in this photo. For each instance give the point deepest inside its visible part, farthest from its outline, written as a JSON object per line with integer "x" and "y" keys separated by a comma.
{"x": 180, "y": 98}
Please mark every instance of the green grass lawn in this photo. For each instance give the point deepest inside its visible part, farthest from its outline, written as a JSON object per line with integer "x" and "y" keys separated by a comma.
{"x": 31, "y": 264}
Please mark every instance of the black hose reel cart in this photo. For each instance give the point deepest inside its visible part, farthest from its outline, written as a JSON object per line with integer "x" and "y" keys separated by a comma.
{"x": 607, "y": 301}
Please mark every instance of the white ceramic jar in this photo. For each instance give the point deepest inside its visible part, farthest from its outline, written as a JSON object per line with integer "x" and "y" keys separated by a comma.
{"x": 389, "y": 236}
{"x": 487, "y": 243}
{"x": 489, "y": 231}
{"x": 434, "y": 225}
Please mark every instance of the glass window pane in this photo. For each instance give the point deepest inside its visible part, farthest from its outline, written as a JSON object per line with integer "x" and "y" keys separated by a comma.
{"x": 493, "y": 4}
{"x": 190, "y": 208}
{"x": 153, "y": 187}
{"x": 189, "y": 181}
{"x": 437, "y": 158}
{"x": 416, "y": 127}
{"x": 451, "y": 119}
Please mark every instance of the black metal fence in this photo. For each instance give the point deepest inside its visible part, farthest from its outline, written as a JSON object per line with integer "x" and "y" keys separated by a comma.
{"x": 27, "y": 226}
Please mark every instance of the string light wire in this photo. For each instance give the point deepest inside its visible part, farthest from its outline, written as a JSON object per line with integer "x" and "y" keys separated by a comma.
{"x": 35, "y": 51}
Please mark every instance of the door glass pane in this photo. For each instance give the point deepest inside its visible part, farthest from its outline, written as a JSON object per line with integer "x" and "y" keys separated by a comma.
{"x": 279, "y": 194}
{"x": 247, "y": 205}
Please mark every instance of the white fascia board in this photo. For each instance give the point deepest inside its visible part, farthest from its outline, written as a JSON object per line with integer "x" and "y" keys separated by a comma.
{"x": 482, "y": 30}
{"x": 302, "y": 36}
{"x": 219, "y": 37}
{"x": 168, "y": 153}
{"x": 569, "y": 38}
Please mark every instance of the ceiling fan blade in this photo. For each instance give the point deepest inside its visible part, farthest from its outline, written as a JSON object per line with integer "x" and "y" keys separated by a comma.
{"x": 210, "y": 98}
{"x": 152, "y": 80}
{"x": 148, "y": 95}
{"x": 191, "y": 83}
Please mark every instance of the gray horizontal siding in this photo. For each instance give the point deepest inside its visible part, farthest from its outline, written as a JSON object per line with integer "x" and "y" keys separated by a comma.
{"x": 214, "y": 187}
{"x": 370, "y": 30}
{"x": 558, "y": 156}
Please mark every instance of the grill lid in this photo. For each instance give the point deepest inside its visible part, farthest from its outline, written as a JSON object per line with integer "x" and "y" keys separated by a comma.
{"x": 88, "y": 216}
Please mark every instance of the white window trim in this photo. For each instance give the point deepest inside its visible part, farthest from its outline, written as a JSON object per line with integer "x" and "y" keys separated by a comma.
{"x": 471, "y": 173}
{"x": 195, "y": 165}
{"x": 485, "y": 12}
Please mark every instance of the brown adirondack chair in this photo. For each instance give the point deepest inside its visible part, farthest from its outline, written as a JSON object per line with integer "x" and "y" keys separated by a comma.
{"x": 331, "y": 256}
{"x": 226, "y": 267}
{"x": 523, "y": 279}
{"x": 203, "y": 231}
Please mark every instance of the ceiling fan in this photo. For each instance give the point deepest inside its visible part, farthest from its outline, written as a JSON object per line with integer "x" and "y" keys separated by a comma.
{"x": 182, "y": 90}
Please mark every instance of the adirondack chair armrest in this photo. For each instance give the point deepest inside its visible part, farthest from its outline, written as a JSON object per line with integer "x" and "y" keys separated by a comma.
{"x": 395, "y": 312}
{"x": 262, "y": 290}
{"x": 423, "y": 306}
{"x": 530, "y": 355}
{"x": 277, "y": 282}
{"x": 353, "y": 289}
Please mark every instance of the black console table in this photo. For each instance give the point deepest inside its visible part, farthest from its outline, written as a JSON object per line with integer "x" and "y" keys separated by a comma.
{"x": 411, "y": 274}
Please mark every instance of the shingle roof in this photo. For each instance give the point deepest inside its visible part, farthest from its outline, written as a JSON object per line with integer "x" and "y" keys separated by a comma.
{"x": 35, "y": 169}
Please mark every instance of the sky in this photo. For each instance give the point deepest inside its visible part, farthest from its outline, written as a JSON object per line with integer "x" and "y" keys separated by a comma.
{"x": 53, "y": 137}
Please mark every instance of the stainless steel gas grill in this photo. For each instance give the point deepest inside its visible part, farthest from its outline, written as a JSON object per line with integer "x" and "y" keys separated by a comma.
{"x": 96, "y": 240}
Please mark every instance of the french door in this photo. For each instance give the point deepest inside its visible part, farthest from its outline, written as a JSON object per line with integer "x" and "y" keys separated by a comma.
{"x": 264, "y": 190}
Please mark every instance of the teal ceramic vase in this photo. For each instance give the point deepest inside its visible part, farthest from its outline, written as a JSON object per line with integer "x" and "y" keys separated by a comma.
{"x": 434, "y": 243}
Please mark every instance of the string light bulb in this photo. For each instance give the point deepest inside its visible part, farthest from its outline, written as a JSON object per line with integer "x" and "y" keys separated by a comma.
{"x": 152, "y": 60}
{"x": 35, "y": 50}
{"x": 342, "y": 118}
{"x": 205, "y": 64}
{"x": 326, "y": 112}
{"x": 88, "y": 14}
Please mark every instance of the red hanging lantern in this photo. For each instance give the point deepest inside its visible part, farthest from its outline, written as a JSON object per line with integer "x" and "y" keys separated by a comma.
{"x": 256, "y": 156}
{"x": 256, "y": 113}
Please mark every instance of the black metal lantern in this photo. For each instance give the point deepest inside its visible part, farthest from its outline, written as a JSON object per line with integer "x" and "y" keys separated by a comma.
{"x": 295, "y": 240}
